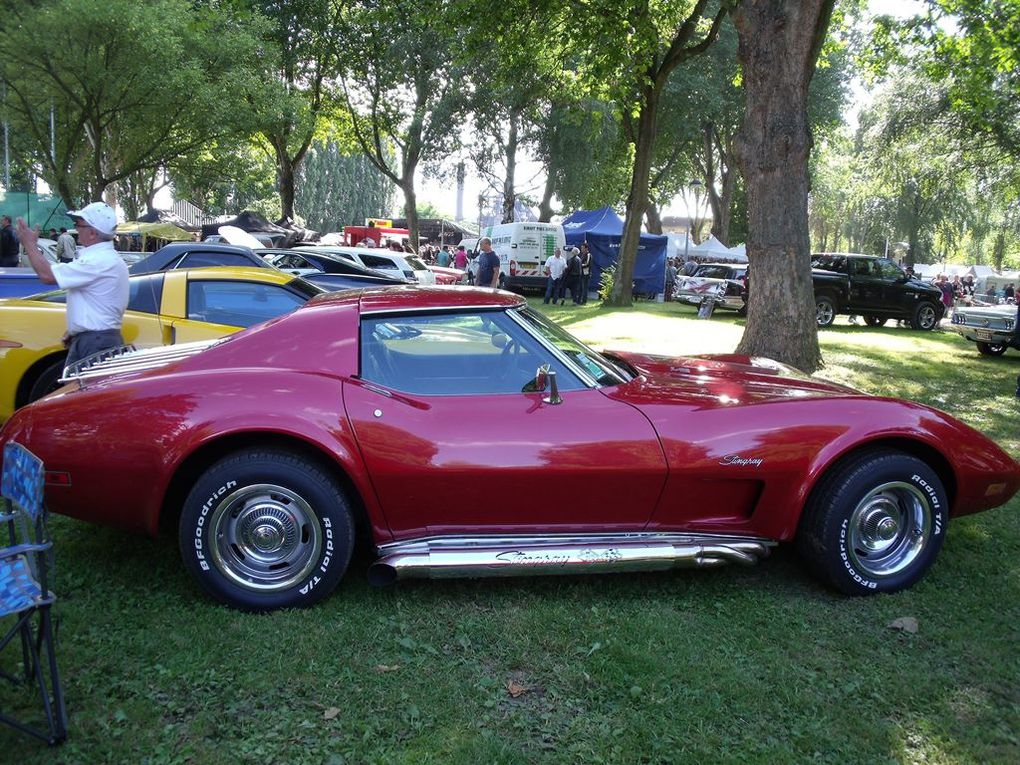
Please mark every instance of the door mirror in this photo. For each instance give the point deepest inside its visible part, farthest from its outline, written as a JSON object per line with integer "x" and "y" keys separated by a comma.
{"x": 541, "y": 378}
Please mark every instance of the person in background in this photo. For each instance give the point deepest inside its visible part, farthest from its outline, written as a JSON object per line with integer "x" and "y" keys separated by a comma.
{"x": 9, "y": 244}
{"x": 488, "y": 265}
{"x": 670, "y": 279}
{"x": 460, "y": 258}
{"x": 96, "y": 282}
{"x": 66, "y": 248}
{"x": 585, "y": 271}
{"x": 572, "y": 279}
{"x": 554, "y": 268}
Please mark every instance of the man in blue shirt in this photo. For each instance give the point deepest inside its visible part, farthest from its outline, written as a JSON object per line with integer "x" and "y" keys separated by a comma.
{"x": 488, "y": 265}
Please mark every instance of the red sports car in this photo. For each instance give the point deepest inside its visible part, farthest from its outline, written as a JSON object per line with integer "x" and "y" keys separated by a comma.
{"x": 466, "y": 435}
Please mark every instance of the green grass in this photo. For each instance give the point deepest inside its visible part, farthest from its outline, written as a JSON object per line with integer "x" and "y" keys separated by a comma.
{"x": 729, "y": 665}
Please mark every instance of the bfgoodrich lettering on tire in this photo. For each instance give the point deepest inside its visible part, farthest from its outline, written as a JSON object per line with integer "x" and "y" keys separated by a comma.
{"x": 264, "y": 529}
{"x": 874, "y": 523}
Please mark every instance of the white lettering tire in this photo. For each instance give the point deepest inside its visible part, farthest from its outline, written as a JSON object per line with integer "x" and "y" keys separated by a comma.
{"x": 874, "y": 523}
{"x": 264, "y": 529}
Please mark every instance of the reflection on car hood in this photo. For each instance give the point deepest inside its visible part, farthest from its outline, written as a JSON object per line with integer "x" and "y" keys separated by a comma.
{"x": 718, "y": 380}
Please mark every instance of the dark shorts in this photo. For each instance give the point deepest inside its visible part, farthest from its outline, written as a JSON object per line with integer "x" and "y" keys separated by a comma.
{"x": 84, "y": 344}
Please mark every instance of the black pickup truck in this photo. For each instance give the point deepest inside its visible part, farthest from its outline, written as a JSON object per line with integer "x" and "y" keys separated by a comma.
{"x": 873, "y": 287}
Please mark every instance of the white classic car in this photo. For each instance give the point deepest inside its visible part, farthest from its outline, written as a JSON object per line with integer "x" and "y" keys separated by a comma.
{"x": 992, "y": 327}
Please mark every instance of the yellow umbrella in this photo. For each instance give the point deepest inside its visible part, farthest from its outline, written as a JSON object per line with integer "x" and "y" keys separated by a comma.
{"x": 166, "y": 231}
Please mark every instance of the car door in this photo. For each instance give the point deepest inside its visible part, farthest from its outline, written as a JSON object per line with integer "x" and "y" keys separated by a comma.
{"x": 454, "y": 443}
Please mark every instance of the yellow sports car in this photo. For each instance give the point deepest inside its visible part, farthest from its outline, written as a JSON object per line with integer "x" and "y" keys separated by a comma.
{"x": 164, "y": 308}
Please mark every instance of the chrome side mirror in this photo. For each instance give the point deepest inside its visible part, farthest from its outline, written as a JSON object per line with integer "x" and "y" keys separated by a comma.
{"x": 541, "y": 378}
{"x": 554, "y": 391}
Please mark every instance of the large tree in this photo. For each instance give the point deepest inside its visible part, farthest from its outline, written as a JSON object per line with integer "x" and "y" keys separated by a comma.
{"x": 779, "y": 44}
{"x": 117, "y": 108}
{"x": 400, "y": 82}
{"x": 658, "y": 36}
{"x": 306, "y": 62}
{"x": 340, "y": 187}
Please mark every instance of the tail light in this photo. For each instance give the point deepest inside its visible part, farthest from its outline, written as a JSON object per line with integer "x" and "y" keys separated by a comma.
{"x": 513, "y": 268}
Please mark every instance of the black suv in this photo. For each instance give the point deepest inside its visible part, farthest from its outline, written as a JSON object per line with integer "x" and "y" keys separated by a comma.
{"x": 873, "y": 287}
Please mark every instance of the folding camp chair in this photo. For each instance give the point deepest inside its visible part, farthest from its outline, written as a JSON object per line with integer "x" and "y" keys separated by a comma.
{"x": 24, "y": 591}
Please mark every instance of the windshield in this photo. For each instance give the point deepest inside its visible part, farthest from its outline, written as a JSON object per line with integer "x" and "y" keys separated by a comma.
{"x": 594, "y": 363}
{"x": 416, "y": 263}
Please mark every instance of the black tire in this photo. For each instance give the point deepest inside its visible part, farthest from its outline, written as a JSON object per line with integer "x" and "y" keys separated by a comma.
{"x": 874, "y": 523}
{"x": 47, "y": 381}
{"x": 874, "y": 321}
{"x": 825, "y": 311}
{"x": 926, "y": 316}
{"x": 502, "y": 282}
{"x": 264, "y": 529}
{"x": 991, "y": 349}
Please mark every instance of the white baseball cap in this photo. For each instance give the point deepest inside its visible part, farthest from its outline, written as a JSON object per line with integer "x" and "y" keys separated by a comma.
{"x": 99, "y": 215}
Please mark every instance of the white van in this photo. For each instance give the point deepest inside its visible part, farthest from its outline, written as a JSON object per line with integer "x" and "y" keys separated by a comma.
{"x": 523, "y": 249}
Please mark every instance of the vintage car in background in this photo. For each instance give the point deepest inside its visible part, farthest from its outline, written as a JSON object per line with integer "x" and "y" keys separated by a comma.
{"x": 723, "y": 282}
{"x": 464, "y": 434}
{"x": 993, "y": 328}
{"x": 164, "y": 308}
{"x": 386, "y": 262}
{"x": 308, "y": 263}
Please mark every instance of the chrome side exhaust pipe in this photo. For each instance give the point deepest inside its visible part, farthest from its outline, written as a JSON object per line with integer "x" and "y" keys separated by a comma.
{"x": 453, "y": 557}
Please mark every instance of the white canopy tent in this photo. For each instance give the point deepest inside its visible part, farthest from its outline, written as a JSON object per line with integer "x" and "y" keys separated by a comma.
{"x": 714, "y": 250}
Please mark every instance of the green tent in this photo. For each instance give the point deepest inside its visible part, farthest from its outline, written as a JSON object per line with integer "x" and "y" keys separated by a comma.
{"x": 43, "y": 210}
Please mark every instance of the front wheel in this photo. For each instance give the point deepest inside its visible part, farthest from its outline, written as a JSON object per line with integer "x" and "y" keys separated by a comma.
{"x": 991, "y": 349}
{"x": 875, "y": 523}
{"x": 926, "y": 317}
{"x": 265, "y": 529}
{"x": 825, "y": 311}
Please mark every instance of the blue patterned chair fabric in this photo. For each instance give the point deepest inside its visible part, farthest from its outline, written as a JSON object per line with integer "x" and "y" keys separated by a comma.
{"x": 22, "y": 481}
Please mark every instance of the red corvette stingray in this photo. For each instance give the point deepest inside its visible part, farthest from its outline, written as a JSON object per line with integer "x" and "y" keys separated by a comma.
{"x": 466, "y": 435}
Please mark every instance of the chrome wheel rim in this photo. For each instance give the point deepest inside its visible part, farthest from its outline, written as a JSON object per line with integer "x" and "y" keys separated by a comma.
{"x": 889, "y": 529}
{"x": 265, "y": 537}
{"x": 927, "y": 317}
{"x": 824, "y": 313}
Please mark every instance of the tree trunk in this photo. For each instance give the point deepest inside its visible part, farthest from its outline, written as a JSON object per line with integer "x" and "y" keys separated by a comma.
{"x": 653, "y": 218}
{"x": 285, "y": 183}
{"x": 779, "y": 41}
{"x": 410, "y": 209}
{"x": 637, "y": 199}
{"x": 509, "y": 183}
{"x": 999, "y": 251}
{"x": 545, "y": 209}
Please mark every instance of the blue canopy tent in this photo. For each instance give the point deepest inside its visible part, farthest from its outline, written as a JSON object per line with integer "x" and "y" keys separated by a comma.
{"x": 603, "y": 230}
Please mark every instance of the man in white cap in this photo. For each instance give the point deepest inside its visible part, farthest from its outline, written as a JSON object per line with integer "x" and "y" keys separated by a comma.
{"x": 96, "y": 282}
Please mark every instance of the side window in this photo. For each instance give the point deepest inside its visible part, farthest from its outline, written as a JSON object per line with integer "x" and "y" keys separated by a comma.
{"x": 238, "y": 304}
{"x": 146, "y": 293}
{"x": 454, "y": 354}
{"x": 207, "y": 259}
{"x": 887, "y": 270}
{"x": 378, "y": 263}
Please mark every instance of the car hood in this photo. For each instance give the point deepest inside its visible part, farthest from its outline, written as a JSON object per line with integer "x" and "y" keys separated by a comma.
{"x": 718, "y": 381}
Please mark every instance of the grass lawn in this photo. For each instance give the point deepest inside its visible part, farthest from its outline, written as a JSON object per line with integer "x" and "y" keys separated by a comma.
{"x": 728, "y": 665}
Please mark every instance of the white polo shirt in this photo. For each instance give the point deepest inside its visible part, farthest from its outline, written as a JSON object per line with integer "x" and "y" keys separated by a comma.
{"x": 97, "y": 289}
{"x": 556, "y": 266}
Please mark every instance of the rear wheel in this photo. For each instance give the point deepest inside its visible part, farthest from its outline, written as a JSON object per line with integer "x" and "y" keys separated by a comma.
{"x": 991, "y": 349}
{"x": 47, "y": 381}
{"x": 926, "y": 316}
{"x": 874, "y": 321}
{"x": 265, "y": 529}
{"x": 875, "y": 523}
{"x": 825, "y": 311}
